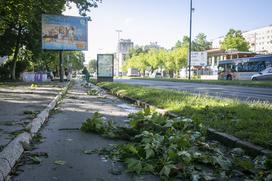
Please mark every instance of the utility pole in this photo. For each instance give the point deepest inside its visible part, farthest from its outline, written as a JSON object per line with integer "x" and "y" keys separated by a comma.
{"x": 190, "y": 38}
{"x": 118, "y": 49}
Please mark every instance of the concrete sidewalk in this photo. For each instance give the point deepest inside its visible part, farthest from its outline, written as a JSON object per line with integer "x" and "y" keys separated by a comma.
{"x": 65, "y": 143}
{"x": 19, "y": 104}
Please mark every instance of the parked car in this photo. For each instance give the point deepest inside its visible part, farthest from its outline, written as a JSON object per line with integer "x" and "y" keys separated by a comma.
{"x": 156, "y": 75}
{"x": 266, "y": 74}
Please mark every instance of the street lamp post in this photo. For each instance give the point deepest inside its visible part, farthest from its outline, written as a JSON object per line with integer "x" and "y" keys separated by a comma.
{"x": 190, "y": 38}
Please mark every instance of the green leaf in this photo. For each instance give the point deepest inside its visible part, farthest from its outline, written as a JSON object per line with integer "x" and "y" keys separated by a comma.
{"x": 148, "y": 168}
{"x": 60, "y": 162}
{"x": 147, "y": 111}
{"x": 223, "y": 162}
{"x": 166, "y": 170}
{"x": 244, "y": 163}
{"x": 132, "y": 149}
{"x": 89, "y": 152}
{"x": 149, "y": 152}
{"x": 134, "y": 165}
{"x": 35, "y": 160}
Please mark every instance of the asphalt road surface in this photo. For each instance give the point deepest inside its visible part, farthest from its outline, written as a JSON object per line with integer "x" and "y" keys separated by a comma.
{"x": 234, "y": 92}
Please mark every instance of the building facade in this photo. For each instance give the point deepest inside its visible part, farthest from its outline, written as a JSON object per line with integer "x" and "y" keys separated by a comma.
{"x": 123, "y": 47}
{"x": 260, "y": 40}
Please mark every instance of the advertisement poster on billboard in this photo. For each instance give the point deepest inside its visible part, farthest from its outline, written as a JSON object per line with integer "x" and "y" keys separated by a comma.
{"x": 105, "y": 65}
{"x": 64, "y": 32}
{"x": 199, "y": 58}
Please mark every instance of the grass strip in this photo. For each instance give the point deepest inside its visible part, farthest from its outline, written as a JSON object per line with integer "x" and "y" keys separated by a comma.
{"x": 249, "y": 121}
{"x": 247, "y": 83}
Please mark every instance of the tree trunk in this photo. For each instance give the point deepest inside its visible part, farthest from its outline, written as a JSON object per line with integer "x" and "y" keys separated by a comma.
{"x": 143, "y": 73}
{"x": 17, "y": 47}
{"x": 177, "y": 74}
{"x": 171, "y": 73}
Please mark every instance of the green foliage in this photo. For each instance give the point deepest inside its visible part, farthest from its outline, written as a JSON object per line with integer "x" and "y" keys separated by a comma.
{"x": 92, "y": 92}
{"x": 177, "y": 148}
{"x": 200, "y": 43}
{"x": 92, "y": 66}
{"x": 75, "y": 59}
{"x": 235, "y": 40}
{"x": 20, "y": 29}
{"x": 138, "y": 61}
{"x": 169, "y": 60}
{"x": 231, "y": 116}
{"x": 98, "y": 124}
{"x": 94, "y": 124}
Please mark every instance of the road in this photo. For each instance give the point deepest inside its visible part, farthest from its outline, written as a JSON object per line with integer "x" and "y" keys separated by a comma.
{"x": 234, "y": 92}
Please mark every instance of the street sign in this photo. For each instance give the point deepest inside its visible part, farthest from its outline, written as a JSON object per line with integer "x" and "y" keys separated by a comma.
{"x": 105, "y": 67}
{"x": 64, "y": 32}
{"x": 199, "y": 58}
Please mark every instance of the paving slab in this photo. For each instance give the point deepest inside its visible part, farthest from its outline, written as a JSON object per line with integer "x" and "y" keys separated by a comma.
{"x": 65, "y": 143}
{"x": 18, "y": 101}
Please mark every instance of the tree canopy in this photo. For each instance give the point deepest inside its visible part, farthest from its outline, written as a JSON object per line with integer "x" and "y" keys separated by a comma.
{"x": 92, "y": 66}
{"x": 235, "y": 40}
{"x": 171, "y": 61}
{"x": 20, "y": 26}
{"x": 200, "y": 43}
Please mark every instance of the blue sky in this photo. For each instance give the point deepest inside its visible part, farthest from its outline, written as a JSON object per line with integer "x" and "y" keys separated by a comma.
{"x": 166, "y": 21}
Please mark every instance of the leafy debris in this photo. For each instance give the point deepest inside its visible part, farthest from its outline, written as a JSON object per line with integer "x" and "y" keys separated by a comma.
{"x": 174, "y": 148}
{"x": 60, "y": 162}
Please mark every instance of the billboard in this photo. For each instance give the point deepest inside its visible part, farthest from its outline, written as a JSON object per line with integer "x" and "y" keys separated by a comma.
{"x": 64, "y": 32}
{"x": 105, "y": 65}
{"x": 199, "y": 58}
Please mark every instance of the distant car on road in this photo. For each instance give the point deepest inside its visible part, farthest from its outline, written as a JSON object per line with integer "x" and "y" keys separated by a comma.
{"x": 156, "y": 75}
{"x": 266, "y": 74}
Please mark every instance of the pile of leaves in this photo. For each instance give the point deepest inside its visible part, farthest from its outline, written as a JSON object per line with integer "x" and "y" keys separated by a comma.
{"x": 34, "y": 86}
{"x": 175, "y": 148}
{"x": 92, "y": 92}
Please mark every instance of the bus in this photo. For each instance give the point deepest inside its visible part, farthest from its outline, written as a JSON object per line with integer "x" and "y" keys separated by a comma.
{"x": 243, "y": 68}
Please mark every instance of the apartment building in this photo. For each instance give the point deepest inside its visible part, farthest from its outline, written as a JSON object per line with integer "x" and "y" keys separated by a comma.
{"x": 260, "y": 40}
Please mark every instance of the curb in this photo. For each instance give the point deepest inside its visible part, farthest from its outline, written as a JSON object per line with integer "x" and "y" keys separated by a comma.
{"x": 225, "y": 139}
{"x": 13, "y": 151}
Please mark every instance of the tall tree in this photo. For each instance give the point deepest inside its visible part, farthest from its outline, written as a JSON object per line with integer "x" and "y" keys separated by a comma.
{"x": 235, "y": 40}
{"x": 92, "y": 66}
{"x": 200, "y": 43}
{"x": 21, "y": 26}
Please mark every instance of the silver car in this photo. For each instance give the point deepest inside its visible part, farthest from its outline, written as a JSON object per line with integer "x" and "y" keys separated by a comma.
{"x": 266, "y": 74}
